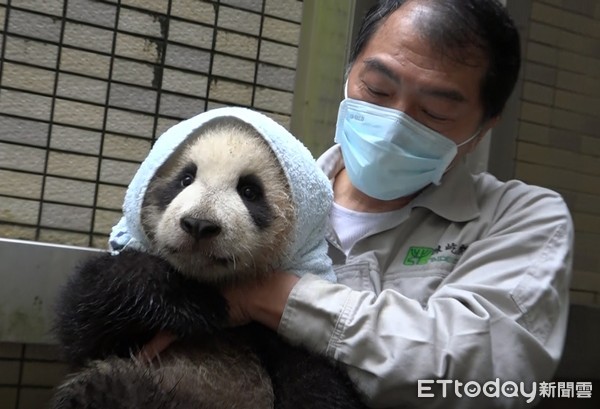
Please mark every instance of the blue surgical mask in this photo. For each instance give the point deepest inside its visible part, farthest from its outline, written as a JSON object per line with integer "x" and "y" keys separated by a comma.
{"x": 388, "y": 154}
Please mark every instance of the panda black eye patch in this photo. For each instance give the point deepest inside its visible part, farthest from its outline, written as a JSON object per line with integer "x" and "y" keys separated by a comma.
{"x": 168, "y": 192}
{"x": 251, "y": 191}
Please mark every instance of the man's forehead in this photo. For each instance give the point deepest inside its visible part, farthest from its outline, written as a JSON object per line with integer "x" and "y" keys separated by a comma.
{"x": 419, "y": 22}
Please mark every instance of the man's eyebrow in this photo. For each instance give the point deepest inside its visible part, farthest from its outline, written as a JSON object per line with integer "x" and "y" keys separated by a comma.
{"x": 376, "y": 65}
{"x": 447, "y": 93}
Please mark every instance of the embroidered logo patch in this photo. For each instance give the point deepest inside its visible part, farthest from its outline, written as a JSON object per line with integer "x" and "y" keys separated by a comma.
{"x": 450, "y": 253}
{"x": 418, "y": 255}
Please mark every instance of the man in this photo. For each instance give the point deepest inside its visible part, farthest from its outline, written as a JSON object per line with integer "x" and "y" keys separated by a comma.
{"x": 442, "y": 275}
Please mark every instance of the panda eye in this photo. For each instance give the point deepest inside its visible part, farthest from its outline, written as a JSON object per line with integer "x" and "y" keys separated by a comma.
{"x": 250, "y": 188}
{"x": 186, "y": 180}
{"x": 250, "y": 193}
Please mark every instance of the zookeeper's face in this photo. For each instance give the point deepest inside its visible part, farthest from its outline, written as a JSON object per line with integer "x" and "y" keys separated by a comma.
{"x": 399, "y": 69}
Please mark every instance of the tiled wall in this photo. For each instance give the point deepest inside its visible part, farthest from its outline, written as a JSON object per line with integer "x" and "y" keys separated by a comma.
{"x": 27, "y": 375}
{"x": 86, "y": 86}
{"x": 559, "y": 129}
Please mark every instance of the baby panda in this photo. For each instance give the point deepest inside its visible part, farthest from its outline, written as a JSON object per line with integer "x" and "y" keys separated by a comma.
{"x": 226, "y": 197}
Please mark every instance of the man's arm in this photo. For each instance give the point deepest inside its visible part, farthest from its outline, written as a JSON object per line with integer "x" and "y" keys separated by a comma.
{"x": 500, "y": 314}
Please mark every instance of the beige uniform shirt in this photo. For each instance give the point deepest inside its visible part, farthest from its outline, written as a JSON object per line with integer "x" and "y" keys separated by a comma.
{"x": 471, "y": 284}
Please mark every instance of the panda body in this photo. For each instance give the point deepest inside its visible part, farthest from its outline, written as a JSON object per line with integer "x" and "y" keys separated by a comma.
{"x": 218, "y": 211}
{"x": 220, "y": 372}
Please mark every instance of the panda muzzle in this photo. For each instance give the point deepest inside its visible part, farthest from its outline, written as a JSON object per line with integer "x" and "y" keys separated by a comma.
{"x": 199, "y": 229}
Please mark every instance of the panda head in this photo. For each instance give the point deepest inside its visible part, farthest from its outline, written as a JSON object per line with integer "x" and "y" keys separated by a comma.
{"x": 229, "y": 194}
{"x": 220, "y": 207}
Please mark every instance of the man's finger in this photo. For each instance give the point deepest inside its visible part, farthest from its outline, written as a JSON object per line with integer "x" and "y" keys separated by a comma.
{"x": 158, "y": 344}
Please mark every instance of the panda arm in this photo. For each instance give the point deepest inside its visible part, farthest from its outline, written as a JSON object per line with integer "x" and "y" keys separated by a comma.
{"x": 115, "y": 304}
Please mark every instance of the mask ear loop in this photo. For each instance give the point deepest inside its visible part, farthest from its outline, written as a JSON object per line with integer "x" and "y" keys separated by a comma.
{"x": 346, "y": 89}
{"x": 458, "y": 145}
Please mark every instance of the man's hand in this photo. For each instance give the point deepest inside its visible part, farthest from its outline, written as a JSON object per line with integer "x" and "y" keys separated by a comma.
{"x": 262, "y": 301}
{"x": 158, "y": 344}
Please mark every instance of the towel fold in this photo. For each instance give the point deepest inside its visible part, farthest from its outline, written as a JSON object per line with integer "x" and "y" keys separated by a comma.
{"x": 311, "y": 191}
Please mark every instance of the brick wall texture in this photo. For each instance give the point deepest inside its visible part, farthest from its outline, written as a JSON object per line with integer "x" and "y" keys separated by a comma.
{"x": 28, "y": 374}
{"x": 86, "y": 86}
{"x": 559, "y": 137}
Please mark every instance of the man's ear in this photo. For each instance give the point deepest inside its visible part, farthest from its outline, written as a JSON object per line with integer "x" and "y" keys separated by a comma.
{"x": 492, "y": 122}
{"x": 485, "y": 128}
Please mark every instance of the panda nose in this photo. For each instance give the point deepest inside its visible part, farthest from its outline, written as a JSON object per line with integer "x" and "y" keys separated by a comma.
{"x": 199, "y": 228}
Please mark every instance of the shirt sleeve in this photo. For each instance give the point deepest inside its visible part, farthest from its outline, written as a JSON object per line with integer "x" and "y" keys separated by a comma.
{"x": 499, "y": 315}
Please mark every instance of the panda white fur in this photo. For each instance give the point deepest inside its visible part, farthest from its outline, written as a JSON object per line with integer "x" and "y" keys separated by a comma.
{"x": 219, "y": 210}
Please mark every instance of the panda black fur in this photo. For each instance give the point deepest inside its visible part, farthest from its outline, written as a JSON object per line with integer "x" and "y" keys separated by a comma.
{"x": 217, "y": 212}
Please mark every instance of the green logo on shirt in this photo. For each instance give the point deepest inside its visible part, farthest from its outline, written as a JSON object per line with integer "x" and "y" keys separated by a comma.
{"x": 418, "y": 255}
{"x": 449, "y": 253}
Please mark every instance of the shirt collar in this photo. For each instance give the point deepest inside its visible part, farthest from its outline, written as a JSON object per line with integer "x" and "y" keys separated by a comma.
{"x": 454, "y": 199}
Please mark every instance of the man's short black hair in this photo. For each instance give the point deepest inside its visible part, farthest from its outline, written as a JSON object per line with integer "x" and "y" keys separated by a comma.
{"x": 456, "y": 28}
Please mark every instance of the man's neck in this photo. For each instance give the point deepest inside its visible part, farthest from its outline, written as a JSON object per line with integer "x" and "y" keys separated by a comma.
{"x": 346, "y": 195}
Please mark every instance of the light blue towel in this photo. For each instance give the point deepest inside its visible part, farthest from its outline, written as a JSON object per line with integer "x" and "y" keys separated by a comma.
{"x": 311, "y": 191}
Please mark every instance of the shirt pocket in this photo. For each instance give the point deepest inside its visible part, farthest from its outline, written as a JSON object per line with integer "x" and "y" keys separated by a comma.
{"x": 356, "y": 276}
